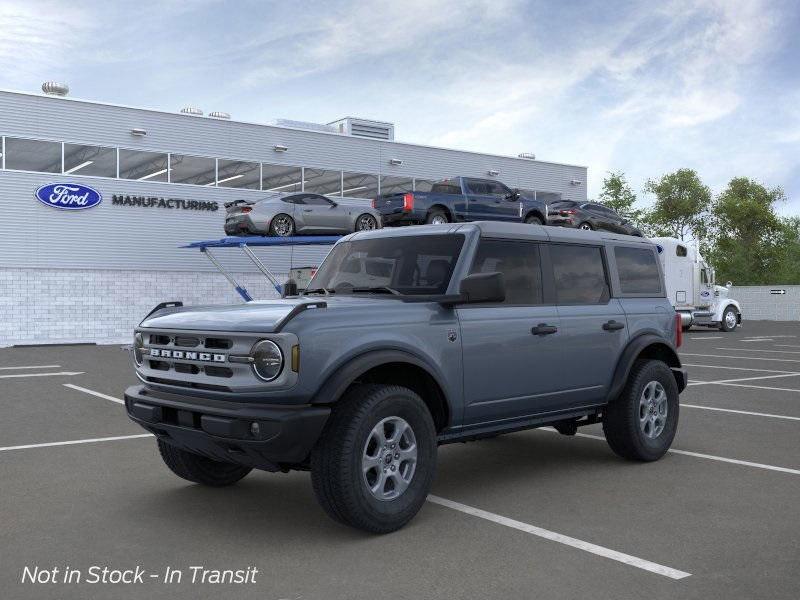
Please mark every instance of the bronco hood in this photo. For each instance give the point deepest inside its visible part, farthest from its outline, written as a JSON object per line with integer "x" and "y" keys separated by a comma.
{"x": 260, "y": 316}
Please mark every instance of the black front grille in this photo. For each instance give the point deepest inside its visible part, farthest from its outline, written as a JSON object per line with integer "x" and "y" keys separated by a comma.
{"x": 186, "y": 341}
{"x": 188, "y": 384}
{"x": 218, "y": 343}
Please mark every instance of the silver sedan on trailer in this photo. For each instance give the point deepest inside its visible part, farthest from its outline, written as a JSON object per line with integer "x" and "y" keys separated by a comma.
{"x": 300, "y": 213}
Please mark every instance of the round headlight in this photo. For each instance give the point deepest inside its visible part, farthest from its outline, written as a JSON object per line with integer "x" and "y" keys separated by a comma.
{"x": 267, "y": 360}
{"x": 138, "y": 346}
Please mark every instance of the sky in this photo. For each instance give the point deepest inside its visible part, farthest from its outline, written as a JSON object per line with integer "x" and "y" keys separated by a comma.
{"x": 639, "y": 87}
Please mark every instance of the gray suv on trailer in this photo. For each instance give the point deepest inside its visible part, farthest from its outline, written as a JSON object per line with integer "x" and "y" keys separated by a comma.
{"x": 411, "y": 338}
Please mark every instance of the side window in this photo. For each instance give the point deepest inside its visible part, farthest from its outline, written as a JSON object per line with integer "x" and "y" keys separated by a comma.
{"x": 638, "y": 271}
{"x": 444, "y": 187}
{"x": 317, "y": 200}
{"x": 519, "y": 264}
{"x": 294, "y": 199}
{"x": 497, "y": 189}
{"x": 475, "y": 186}
{"x": 680, "y": 250}
{"x": 579, "y": 274}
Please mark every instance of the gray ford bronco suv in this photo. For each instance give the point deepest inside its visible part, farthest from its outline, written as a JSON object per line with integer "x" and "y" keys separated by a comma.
{"x": 407, "y": 339}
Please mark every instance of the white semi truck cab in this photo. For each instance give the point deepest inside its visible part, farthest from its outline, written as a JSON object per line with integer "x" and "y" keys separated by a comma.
{"x": 692, "y": 290}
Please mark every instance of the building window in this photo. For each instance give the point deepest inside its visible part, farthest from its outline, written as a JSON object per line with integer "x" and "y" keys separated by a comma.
{"x": 396, "y": 185}
{"x": 238, "y": 174}
{"x": 90, "y": 160}
{"x": 143, "y": 166}
{"x": 320, "y": 181}
{"x": 279, "y": 178}
{"x": 195, "y": 170}
{"x": 359, "y": 185}
{"x": 33, "y": 155}
{"x": 423, "y": 185}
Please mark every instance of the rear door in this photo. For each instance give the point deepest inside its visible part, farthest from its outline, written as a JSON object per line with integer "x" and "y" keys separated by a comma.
{"x": 593, "y": 326}
{"x": 512, "y": 350}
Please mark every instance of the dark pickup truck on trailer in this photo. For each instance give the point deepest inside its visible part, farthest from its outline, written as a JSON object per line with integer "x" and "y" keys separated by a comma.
{"x": 461, "y": 199}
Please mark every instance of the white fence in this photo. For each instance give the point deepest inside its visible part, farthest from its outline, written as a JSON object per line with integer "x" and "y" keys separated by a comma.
{"x": 769, "y": 303}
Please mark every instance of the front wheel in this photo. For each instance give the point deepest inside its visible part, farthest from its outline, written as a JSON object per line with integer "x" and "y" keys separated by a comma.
{"x": 641, "y": 423}
{"x": 200, "y": 469}
{"x": 729, "y": 320}
{"x": 375, "y": 461}
{"x": 366, "y": 222}
{"x": 281, "y": 226}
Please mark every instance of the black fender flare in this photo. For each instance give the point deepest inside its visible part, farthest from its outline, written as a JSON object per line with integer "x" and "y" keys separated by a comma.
{"x": 632, "y": 351}
{"x": 337, "y": 383}
{"x": 536, "y": 212}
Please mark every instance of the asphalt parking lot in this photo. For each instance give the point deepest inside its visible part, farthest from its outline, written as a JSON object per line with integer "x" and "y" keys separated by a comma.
{"x": 527, "y": 515}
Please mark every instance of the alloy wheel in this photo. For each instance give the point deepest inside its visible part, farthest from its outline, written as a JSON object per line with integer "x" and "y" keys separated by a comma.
{"x": 366, "y": 223}
{"x": 653, "y": 409}
{"x": 389, "y": 459}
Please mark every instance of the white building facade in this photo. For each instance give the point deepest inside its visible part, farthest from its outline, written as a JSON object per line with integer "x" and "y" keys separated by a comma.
{"x": 89, "y": 275}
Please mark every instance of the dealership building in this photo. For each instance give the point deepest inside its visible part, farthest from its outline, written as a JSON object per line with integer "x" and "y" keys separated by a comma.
{"x": 161, "y": 181}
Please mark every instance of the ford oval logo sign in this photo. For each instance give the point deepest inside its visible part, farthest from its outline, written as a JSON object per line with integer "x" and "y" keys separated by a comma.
{"x": 68, "y": 196}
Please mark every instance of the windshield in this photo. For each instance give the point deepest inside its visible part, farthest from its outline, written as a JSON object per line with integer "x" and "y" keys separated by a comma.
{"x": 404, "y": 265}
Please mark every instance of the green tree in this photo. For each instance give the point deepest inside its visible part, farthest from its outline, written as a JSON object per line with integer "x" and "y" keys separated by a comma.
{"x": 618, "y": 196}
{"x": 752, "y": 245}
{"x": 681, "y": 206}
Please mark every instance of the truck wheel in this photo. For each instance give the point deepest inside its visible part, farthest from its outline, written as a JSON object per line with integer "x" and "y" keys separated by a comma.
{"x": 437, "y": 217}
{"x": 533, "y": 220}
{"x": 200, "y": 469}
{"x": 281, "y": 226}
{"x": 640, "y": 424}
{"x": 375, "y": 461}
{"x": 729, "y": 320}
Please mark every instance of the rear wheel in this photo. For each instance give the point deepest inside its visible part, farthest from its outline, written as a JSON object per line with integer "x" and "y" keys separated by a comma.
{"x": 200, "y": 469}
{"x": 375, "y": 461}
{"x": 533, "y": 220}
{"x": 437, "y": 217}
{"x": 586, "y": 226}
{"x": 281, "y": 226}
{"x": 640, "y": 424}
{"x": 366, "y": 222}
{"x": 729, "y": 320}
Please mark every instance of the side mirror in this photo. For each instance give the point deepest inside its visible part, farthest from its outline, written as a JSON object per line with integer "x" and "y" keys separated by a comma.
{"x": 514, "y": 195}
{"x": 334, "y": 204}
{"x": 483, "y": 287}
{"x": 289, "y": 288}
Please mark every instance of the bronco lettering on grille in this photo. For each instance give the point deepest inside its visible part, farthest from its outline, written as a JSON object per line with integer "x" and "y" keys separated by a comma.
{"x": 182, "y": 354}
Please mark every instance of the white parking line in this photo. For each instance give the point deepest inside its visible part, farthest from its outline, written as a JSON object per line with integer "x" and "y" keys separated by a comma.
{"x": 73, "y": 442}
{"x": 759, "y": 350}
{"x": 702, "y": 337}
{"x": 16, "y": 375}
{"x": 561, "y": 539}
{"x": 93, "y": 393}
{"x": 787, "y": 346}
{"x": 734, "y": 461}
{"x": 743, "y": 379}
{"x": 757, "y": 340}
{"x": 761, "y": 387}
{"x": 31, "y": 367}
{"x": 741, "y": 412}
{"x": 741, "y": 357}
{"x": 739, "y": 368}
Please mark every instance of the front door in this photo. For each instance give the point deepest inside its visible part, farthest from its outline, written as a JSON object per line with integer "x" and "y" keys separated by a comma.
{"x": 511, "y": 349}
{"x": 319, "y": 214}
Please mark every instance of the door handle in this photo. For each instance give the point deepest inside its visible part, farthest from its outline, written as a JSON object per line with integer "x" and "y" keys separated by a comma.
{"x": 544, "y": 329}
{"x": 612, "y": 325}
{"x": 307, "y": 210}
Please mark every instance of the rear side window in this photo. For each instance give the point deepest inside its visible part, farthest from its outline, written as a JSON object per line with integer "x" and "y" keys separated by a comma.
{"x": 579, "y": 274}
{"x": 519, "y": 264}
{"x": 638, "y": 271}
{"x": 446, "y": 187}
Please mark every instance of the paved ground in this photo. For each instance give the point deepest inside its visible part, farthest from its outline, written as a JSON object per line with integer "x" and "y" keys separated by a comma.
{"x": 723, "y": 507}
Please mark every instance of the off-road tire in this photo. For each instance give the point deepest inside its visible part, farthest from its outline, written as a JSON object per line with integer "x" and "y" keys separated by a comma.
{"x": 533, "y": 220}
{"x": 621, "y": 417}
{"x": 336, "y": 467}
{"x": 434, "y": 213}
{"x": 200, "y": 469}
{"x": 723, "y": 326}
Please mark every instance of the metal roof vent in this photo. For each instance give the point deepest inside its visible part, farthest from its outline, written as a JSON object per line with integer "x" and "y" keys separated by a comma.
{"x": 53, "y": 88}
{"x": 219, "y": 115}
{"x": 191, "y": 110}
{"x": 375, "y": 130}
{"x": 527, "y": 155}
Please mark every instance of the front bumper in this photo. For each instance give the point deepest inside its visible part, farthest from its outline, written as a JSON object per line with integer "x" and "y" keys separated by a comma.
{"x": 223, "y": 430}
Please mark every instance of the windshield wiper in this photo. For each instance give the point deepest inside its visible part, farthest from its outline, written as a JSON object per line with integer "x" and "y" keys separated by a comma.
{"x": 321, "y": 290}
{"x": 376, "y": 290}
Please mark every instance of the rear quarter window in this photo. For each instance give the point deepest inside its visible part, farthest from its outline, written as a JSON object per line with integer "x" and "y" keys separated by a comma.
{"x": 638, "y": 271}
